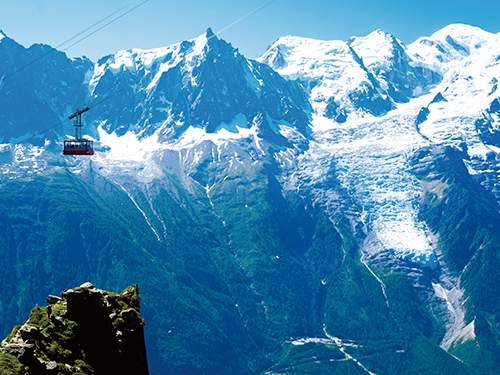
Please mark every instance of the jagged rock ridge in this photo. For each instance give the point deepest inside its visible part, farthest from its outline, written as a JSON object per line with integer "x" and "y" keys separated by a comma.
{"x": 86, "y": 330}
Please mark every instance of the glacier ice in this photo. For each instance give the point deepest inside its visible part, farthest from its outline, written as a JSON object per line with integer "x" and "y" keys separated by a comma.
{"x": 369, "y": 153}
{"x": 370, "y": 158}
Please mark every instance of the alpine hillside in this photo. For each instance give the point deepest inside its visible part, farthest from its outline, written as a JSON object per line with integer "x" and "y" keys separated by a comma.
{"x": 330, "y": 208}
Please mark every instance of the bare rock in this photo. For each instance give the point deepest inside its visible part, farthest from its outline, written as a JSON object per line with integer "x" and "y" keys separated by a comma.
{"x": 28, "y": 332}
{"x": 53, "y": 299}
{"x": 131, "y": 318}
{"x": 18, "y": 350}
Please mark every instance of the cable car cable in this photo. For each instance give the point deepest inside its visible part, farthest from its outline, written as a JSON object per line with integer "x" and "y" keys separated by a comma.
{"x": 56, "y": 48}
{"x": 243, "y": 18}
{"x": 96, "y": 24}
{"x": 68, "y": 40}
{"x": 110, "y": 22}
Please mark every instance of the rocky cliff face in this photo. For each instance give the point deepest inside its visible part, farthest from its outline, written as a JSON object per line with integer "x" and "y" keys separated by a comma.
{"x": 87, "y": 331}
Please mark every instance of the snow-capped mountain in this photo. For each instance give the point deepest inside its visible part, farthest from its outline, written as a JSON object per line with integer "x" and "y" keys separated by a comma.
{"x": 329, "y": 195}
{"x": 371, "y": 147}
{"x": 333, "y": 74}
{"x": 387, "y": 59}
{"x": 193, "y": 83}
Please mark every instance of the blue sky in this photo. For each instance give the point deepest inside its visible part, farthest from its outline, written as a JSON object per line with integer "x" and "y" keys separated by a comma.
{"x": 159, "y": 23}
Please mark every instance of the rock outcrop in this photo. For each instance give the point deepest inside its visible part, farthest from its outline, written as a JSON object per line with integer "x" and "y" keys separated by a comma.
{"x": 87, "y": 331}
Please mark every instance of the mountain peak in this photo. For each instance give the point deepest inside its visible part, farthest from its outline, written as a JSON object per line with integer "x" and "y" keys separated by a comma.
{"x": 209, "y": 33}
{"x": 379, "y": 32}
{"x": 460, "y": 29}
{"x": 467, "y": 36}
{"x": 375, "y": 40}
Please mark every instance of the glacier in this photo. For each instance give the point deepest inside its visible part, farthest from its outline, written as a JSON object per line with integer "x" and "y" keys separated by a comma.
{"x": 371, "y": 153}
{"x": 370, "y": 161}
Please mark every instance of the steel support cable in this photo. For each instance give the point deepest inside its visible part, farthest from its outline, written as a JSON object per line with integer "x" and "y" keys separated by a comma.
{"x": 243, "y": 18}
{"x": 17, "y": 73}
{"x": 109, "y": 23}
{"x": 95, "y": 24}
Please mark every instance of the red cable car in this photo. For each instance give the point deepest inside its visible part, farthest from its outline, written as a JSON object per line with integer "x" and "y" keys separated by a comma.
{"x": 78, "y": 145}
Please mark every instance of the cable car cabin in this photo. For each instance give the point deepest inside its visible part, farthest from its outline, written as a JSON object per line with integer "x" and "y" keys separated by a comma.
{"x": 78, "y": 147}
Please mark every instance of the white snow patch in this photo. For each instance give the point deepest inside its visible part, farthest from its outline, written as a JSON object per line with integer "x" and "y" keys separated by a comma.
{"x": 123, "y": 60}
{"x": 127, "y": 147}
{"x": 194, "y": 135}
{"x": 307, "y": 340}
{"x": 495, "y": 149}
{"x": 291, "y": 133}
{"x": 321, "y": 123}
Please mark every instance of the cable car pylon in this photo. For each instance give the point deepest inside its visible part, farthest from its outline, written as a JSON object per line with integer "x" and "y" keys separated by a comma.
{"x": 78, "y": 145}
